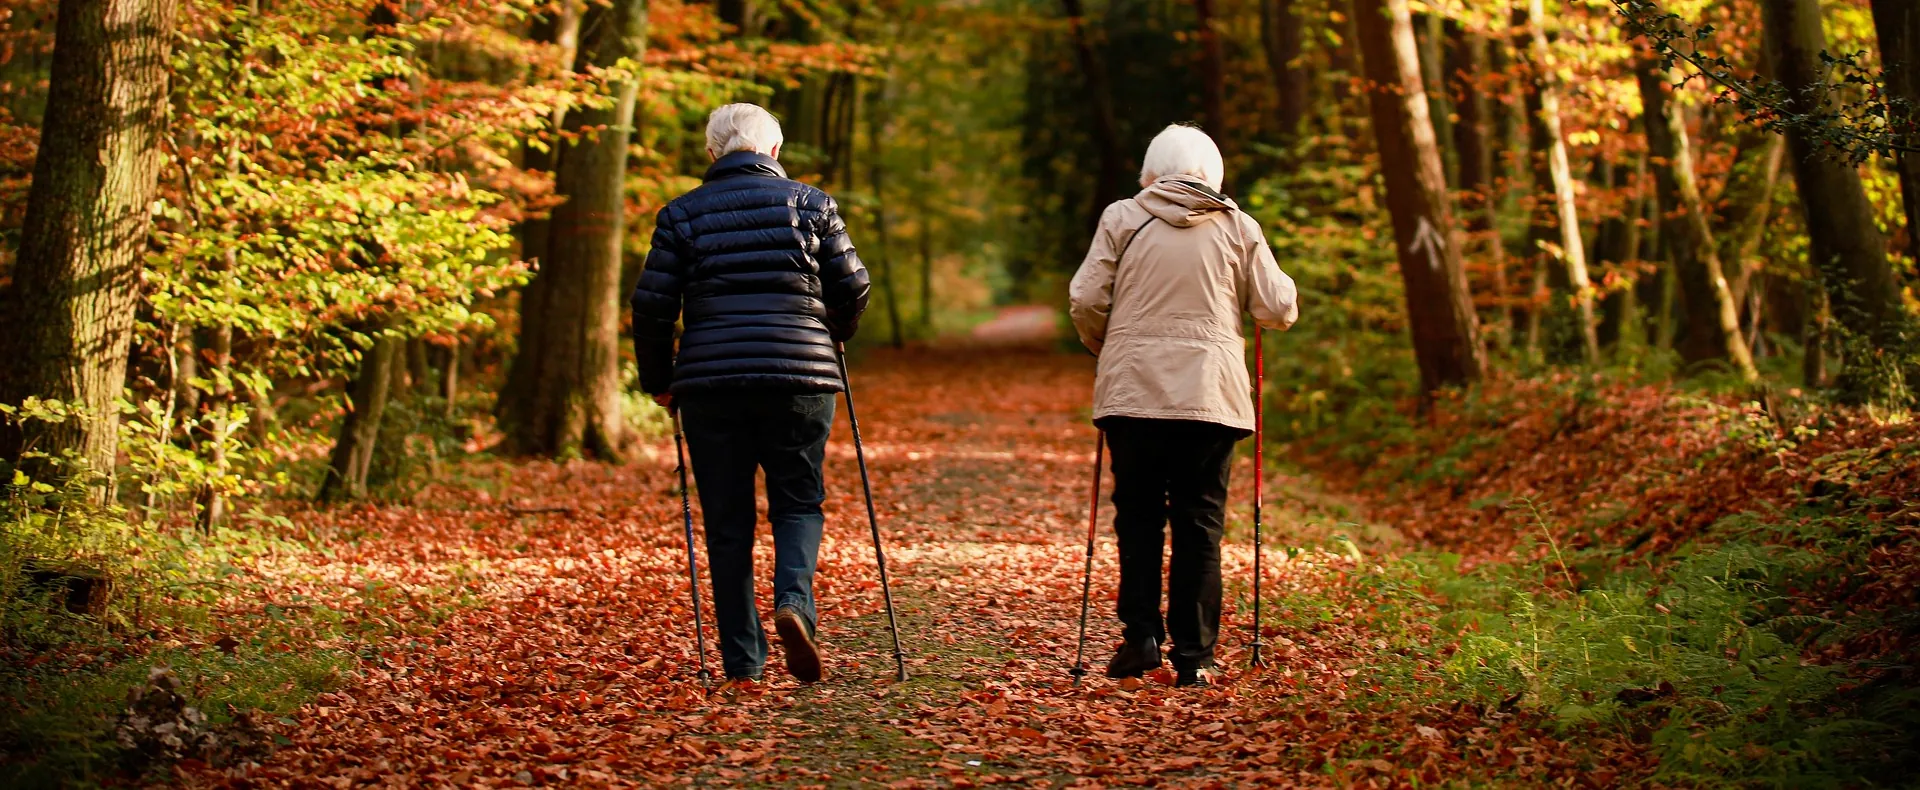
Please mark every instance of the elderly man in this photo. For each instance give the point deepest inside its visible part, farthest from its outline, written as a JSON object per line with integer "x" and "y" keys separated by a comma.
{"x": 1160, "y": 298}
{"x": 760, "y": 270}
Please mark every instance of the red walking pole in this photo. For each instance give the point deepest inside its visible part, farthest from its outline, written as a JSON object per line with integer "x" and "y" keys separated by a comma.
{"x": 1259, "y": 480}
{"x": 1086, "y": 581}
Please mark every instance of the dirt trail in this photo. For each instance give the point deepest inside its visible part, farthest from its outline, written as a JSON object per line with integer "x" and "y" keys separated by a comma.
{"x": 574, "y": 664}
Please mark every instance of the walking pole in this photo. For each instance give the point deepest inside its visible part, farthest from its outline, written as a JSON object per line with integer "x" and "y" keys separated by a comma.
{"x": 1086, "y": 580}
{"x": 879, "y": 556}
{"x": 1259, "y": 480}
{"x": 693, "y": 568}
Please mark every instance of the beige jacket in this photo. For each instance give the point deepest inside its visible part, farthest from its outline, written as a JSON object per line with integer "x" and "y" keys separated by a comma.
{"x": 1165, "y": 321}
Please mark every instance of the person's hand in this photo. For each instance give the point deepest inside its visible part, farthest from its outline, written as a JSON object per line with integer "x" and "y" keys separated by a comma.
{"x": 665, "y": 399}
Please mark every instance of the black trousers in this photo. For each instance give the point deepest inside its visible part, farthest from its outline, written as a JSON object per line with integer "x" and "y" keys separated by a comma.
{"x": 1171, "y": 473}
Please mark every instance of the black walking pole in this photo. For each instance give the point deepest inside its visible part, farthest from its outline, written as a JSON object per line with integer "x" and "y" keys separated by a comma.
{"x": 1259, "y": 480}
{"x": 879, "y": 556}
{"x": 1086, "y": 580}
{"x": 693, "y": 567}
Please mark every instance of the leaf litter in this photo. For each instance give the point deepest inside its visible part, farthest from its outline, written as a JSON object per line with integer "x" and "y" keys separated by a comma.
{"x": 569, "y": 660}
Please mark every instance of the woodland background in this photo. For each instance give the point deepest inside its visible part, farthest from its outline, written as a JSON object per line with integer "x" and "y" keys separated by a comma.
{"x": 270, "y": 269}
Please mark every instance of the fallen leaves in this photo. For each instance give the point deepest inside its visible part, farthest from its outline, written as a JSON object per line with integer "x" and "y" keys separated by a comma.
{"x": 573, "y": 662}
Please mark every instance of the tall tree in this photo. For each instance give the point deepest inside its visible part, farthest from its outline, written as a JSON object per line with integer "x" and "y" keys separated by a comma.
{"x": 563, "y": 390}
{"x": 1283, "y": 37}
{"x": 1847, "y": 248}
{"x": 367, "y": 394}
{"x": 1473, "y": 142}
{"x": 1712, "y": 316}
{"x": 1898, "y": 25}
{"x": 66, "y": 319}
{"x": 876, "y": 179}
{"x": 1573, "y": 252}
{"x": 1446, "y": 338}
{"x": 1213, "y": 73}
{"x": 1106, "y": 124}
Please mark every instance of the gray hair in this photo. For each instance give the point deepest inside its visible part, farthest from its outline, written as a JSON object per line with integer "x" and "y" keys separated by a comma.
{"x": 1183, "y": 151}
{"x": 742, "y": 127}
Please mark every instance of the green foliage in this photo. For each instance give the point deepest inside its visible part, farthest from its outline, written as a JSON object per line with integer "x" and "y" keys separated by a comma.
{"x": 1342, "y": 372}
{"x": 1855, "y": 117}
{"x": 1704, "y": 659}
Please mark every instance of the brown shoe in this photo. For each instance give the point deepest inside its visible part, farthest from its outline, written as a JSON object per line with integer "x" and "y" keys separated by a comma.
{"x": 796, "y": 638}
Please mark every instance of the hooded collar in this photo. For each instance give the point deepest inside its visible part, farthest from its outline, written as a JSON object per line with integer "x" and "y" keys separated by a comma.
{"x": 1182, "y": 201}
{"x": 745, "y": 163}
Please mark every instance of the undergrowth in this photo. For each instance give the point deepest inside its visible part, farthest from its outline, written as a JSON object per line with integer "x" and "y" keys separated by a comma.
{"x": 98, "y": 593}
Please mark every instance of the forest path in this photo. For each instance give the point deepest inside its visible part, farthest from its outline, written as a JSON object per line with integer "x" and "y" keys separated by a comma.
{"x": 573, "y": 664}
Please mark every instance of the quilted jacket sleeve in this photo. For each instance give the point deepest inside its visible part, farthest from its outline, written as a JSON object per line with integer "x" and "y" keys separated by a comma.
{"x": 656, "y": 305}
{"x": 844, "y": 283}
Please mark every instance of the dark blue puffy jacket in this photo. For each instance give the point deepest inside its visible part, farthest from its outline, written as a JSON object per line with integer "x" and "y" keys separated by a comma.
{"x": 768, "y": 280}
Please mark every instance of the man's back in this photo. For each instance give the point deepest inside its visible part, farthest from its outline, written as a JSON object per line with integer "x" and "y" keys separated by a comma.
{"x": 762, "y": 271}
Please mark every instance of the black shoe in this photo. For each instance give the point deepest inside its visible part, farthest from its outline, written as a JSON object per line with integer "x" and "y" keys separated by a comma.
{"x": 1198, "y": 677}
{"x": 796, "y": 638}
{"x": 1135, "y": 659}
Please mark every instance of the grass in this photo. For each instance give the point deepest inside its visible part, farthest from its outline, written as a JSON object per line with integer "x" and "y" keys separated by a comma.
{"x": 1702, "y": 661}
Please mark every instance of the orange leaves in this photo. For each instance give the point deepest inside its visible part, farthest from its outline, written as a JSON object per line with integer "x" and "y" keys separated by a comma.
{"x": 572, "y": 663}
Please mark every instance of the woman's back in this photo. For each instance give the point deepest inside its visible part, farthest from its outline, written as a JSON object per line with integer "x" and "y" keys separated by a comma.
{"x": 1159, "y": 299}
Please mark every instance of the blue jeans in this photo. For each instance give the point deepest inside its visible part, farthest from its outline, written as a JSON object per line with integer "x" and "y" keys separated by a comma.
{"x": 732, "y": 436}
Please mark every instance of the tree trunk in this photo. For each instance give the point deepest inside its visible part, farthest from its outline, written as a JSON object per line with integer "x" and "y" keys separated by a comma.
{"x": 1898, "y": 25}
{"x": 1541, "y": 221}
{"x": 1446, "y": 340}
{"x": 1213, "y": 74}
{"x": 563, "y": 393}
{"x": 1618, "y": 243}
{"x": 1712, "y": 316}
{"x": 419, "y": 370}
{"x": 1283, "y": 36}
{"x": 1430, "y": 41}
{"x": 360, "y": 429}
{"x": 876, "y": 174}
{"x": 1847, "y": 248}
{"x": 1749, "y": 201}
{"x": 1572, "y": 247}
{"x": 1466, "y": 65}
{"x": 66, "y": 318}
{"x": 924, "y": 217}
{"x": 450, "y": 377}
{"x": 1106, "y": 126}
{"x": 533, "y": 233}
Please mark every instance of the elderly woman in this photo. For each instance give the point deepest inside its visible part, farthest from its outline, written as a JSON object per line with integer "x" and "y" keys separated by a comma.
{"x": 1159, "y": 299}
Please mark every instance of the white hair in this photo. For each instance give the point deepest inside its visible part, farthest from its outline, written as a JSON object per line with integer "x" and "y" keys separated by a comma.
{"x": 742, "y": 127}
{"x": 1183, "y": 151}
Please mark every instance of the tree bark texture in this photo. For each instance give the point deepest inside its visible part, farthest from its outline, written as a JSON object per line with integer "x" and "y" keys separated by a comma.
{"x": 1898, "y": 25}
{"x": 1712, "y": 329}
{"x": 876, "y": 176}
{"x": 360, "y": 431}
{"x": 1573, "y": 251}
{"x": 1106, "y": 126}
{"x": 1213, "y": 74}
{"x": 533, "y": 232}
{"x": 66, "y": 319}
{"x": 1848, "y": 250}
{"x": 1283, "y": 37}
{"x": 1446, "y": 339}
{"x": 1473, "y": 143}
{"x": 1430, "y": 41}
{"x": 1748, "y": 198}
{"x": 563, "y": 391}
